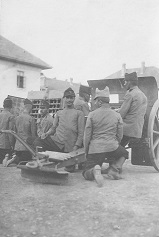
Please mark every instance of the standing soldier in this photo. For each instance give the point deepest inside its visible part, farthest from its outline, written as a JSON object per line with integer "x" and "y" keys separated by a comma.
{"x": 45, "y": 122}
{"x": 26, "y": 129}
{"x": 6, "y": 123}
{"x": 133, "y": 109}
{"x": 81, "y": 102}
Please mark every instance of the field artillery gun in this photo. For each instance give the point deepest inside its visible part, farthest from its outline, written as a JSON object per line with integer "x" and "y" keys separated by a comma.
{"x": 47, "y": 167}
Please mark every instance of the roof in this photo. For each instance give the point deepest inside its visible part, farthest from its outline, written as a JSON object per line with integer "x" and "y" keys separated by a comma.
{"x": 59, "y": 85}
{"x": 147, "y": 72}
{"x": 11, "y": 52}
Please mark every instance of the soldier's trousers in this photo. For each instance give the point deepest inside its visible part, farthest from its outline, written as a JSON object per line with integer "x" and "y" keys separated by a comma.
{"x": 99, "y": 158}
{"x": 47, "y": 144}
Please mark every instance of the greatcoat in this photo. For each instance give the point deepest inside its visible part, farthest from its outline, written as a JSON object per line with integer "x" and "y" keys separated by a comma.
{"x": 133, "y": 111}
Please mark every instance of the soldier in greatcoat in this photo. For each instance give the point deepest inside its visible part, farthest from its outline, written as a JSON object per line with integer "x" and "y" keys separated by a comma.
{"x": 81, "y": 101}
{"x": 133, "y": 109}
{"x": 44, "y": 123}
{"x": 27, "y": 130}
{"x": 7, "y": 122}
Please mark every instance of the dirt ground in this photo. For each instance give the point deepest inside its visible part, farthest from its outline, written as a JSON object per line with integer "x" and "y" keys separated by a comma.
{"x": 127, "y": 207}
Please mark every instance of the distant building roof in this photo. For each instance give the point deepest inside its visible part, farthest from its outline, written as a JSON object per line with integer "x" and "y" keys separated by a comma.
{"x": 11, "y": 52}
{"x": 52, "y": 88}
{"x": 59, "y": 85}
{"x": 143, "y": 71}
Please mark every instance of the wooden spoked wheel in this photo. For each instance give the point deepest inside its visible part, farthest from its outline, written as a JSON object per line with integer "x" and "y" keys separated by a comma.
{"x": 153, "y": 135}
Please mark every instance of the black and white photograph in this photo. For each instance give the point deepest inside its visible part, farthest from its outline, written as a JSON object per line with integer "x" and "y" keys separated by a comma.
{"x": 79, "y": 118}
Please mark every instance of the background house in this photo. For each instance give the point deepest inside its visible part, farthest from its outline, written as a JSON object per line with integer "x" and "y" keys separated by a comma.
{"x": 58, "y": 85}
{"x": 19, "y": 70}
{"x": 51, "y": 88}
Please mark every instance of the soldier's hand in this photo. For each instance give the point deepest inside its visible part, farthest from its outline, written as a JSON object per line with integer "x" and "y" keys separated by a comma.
{"x": 75, "y": 148}
{"x": 43, "y": 136}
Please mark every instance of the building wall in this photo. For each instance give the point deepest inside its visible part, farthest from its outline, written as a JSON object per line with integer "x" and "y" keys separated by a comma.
{"x": 8, "y": 80}
{"x": 58, "y": 85}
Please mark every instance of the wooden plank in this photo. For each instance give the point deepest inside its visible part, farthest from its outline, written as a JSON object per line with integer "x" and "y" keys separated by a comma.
{"x": 56, "y": 156}
{"x": 59, "y": 156}
{"x": 74, "y": 160}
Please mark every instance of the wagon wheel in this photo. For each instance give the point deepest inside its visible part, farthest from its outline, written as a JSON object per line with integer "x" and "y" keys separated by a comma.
{"x": 153, "y": 135}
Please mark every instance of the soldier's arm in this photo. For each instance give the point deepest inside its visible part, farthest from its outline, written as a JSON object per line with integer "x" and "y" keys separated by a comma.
{"x": 119, "y": 134}
{"x": 126, "y": 105}
{"x": 80, "y": 126}
{"x": 52, "y": 130}
{"x": 48, "y": 125}
{"x": 87, "y": 134}
{"x": 33, "y": 128}
{"x": 11, "y": 126}
{"x": 85, "y": 109}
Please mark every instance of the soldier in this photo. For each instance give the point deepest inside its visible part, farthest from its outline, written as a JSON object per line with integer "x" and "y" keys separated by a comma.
{"x": 26, "y": 129}
{"x": 81, "y": 102}
{"x": 133, "y": 109}
{"x": 103, "y": 133}
{"x": 7, "y": 122}
{"x": 66, "y": 134}
{"x": 45, "y": 122}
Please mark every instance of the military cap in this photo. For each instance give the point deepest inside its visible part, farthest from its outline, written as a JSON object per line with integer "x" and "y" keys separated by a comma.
{"x": 69, "y": 92}
{"x": 85, "y": 89}
{"x": 27, "y": 102}
{"x": 131, "y": 76}
{"x": 102, "y": 93}
{"x": 7, "y": 103}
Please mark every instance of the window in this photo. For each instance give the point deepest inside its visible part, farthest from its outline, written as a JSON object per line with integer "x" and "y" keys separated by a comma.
{"x": 20, "y": 79}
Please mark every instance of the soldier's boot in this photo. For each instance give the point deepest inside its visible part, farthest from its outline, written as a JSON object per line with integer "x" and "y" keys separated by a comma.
{"x": 105, "y": 168}
{"x": 115, "y": 168}
{"x": 5, "y": 160}
{"x": 113, "y": 173}
{"x": 98, "y": 176}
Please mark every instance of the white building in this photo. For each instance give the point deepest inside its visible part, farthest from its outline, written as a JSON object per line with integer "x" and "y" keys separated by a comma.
{"x": 19, "y": 70}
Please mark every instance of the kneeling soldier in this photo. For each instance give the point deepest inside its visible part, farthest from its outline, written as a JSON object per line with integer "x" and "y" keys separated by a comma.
{"x": 103, "y": 133}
